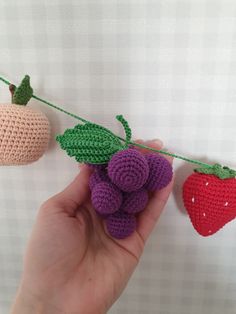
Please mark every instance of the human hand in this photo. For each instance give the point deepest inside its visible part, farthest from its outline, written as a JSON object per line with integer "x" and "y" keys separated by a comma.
{"x": 72, "y": 265}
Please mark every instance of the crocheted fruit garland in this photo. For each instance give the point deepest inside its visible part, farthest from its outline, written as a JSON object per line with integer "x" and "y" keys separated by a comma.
{"x": 24, "y": 132}
{"x": 208, "y": 193}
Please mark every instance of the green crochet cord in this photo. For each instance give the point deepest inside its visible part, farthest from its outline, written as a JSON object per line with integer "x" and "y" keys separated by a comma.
{"x": 97, "y": 144}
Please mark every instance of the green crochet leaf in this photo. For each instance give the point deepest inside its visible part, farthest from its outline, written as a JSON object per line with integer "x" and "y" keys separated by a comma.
{"x": 23, "y": 92}
{"x": 90, "y": 143}
{"x": 218, "y": 170}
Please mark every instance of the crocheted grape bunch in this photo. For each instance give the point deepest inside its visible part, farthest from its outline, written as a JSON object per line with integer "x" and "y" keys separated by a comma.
{"x": 119, "y": 189}
{"x": 122, "y": 175}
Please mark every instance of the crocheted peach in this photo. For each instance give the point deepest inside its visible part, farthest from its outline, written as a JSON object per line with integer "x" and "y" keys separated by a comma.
{"x": 24, "y": 132}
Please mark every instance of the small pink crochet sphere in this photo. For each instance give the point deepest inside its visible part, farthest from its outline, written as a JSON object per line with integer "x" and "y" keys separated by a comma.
{"x": 160, "y": 173}
{"x": 96, "y": 177}
{"x": 135, "y": 202}
{"x": 106, "y": 198}
{"x": 120, "y": 225}
{"x": 128, "y": 169}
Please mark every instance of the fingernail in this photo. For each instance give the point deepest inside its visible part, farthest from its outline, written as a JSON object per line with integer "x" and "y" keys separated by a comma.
{"x": 157, "y": 141}
{"x": 139, "y": 140}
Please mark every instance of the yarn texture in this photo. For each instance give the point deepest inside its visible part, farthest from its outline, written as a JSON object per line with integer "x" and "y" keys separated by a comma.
{"x": 160, "y": 172}
{"x": 121, "y": 225}
{"x": 210, "y": 202}
{"x": 106, "y": 198}
{"x": 118, "y": 190}
{"x": 98, "y": 176}
{"x": 134, "y": 202}
{"x": 92, "y": 143}
{"x": 128, "y": 169}
{"x": 24, "y": 134}
{"x": 23, "y": 93}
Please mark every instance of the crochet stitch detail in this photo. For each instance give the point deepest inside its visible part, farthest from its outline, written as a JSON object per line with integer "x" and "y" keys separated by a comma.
{"x": 23, "y": 93}
{"x": 97, "y": 177}
{"x": 24, "y": 134}
{"x": 135, "y": 202}
{"x": 92, "y": 143}
{"x": 106, "y": 198}
{"x": 128, "y": 169}
{"x": 160, "y": 172}
{"x": 210, "y": 202}
{"x": 120, "y": 225}
{"x": 218, "y": 170}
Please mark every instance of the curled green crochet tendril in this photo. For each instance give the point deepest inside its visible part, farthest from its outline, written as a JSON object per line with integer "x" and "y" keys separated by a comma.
{"x": 207, "y": 168}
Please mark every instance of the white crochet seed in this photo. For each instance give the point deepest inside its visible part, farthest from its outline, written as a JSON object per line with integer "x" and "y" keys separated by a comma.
{"x": 204, "y": 214}
{"x": 207, "y": 183}
{"x": 226, "y": 203}
{"x": 193, "y": 200}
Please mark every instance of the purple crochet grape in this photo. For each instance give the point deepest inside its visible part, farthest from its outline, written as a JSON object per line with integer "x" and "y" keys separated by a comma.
{"x": 96, "y": 177}
{"x": 135, "y": 202}
{"x": 120, "y": 225}
{"x": 160, "y": 173}
{"x": 128, "y": 169}
{"x": 106, "y": 198}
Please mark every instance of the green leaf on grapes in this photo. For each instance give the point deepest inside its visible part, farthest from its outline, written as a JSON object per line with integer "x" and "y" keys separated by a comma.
{"x": 90, "y": 143}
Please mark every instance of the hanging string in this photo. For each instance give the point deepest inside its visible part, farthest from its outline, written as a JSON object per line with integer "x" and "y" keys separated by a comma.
{"x": 198, "y": 162}
{"x": 60, "y": 109}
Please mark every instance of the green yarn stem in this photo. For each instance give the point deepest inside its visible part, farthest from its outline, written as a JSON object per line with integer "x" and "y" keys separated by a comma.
{"x": 60, "y": 109}
{"x": 197, "y": 162}
{"x": 49, "y": 103}
{"x": 4, "y": 80}
{"x": 126, "y": 127}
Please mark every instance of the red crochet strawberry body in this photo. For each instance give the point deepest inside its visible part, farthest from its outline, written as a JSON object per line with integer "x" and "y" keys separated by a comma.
{"x": 210, "y": 201}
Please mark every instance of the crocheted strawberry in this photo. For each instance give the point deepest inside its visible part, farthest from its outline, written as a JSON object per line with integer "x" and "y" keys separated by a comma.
{"x": 209, "y": 196}
{"x": 24, "y": 132}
